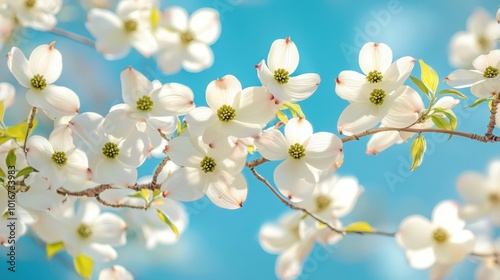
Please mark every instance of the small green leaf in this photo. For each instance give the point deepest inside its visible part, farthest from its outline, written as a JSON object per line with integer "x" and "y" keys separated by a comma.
{"x": 167, "y": 221}
{"x": 429, "y": 77}
{"x": 157, "y": 193}
{"x": 2, "y": 110}
{"x": 441, "y": 122}
{"x": 2, "y": 173}
{"x": 478, "y": 101}
{"x": 452, "y": 92}
{"x": 25, "y": 171}
{"x": 282, "y": 117}
{"x": 11, "y": 158}
{"x": 359, "y": 227}
{"x": 449, "y": 114}
{"x": 421, "y": 86}
{"x": 83, "y": 266}
{"x": 417, "y": 151}
{"x": 4, "y": 139}
{"x": 54, "y": 248}
{"x": 294, "y": 109}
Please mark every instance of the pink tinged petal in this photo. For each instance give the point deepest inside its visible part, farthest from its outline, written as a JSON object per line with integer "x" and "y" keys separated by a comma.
{"x": 323, "y": 149}
{"x": 283, "y": 55}
{"x": 19, "y": 67}
{"x": 119, "y": 122}
{"x": 264, "y": 74}
{"x": 421, "y": 259}
{"x": 112, "y": 171}
{"x": 172, "y": 99}
{"x": 115, "y": 272}
{"x": 375, "y": 56}
{"x": 302, "y": 86}
{"x": 108, "y": 229}
{"x": 462, "y": 78}
{"x": 406, "y": 108}
{"x": 399, "y": 70}
{"x": 175, "y": 18}
{"x": 183, "y": 153}
{"x": 289, "y": 263}
{"x": 447, "y": 102}
{"x": 382, "y": 140}
{"x": 186, "y": 184}
{"x": 39, "y": 153}
{"x": 240, "y": 129}
{"x": 445, "y": 215}
{"x": 166, "y": 125}
{"x": 256, "y": 105}
{"x": 134, "y": 86}
{"x": 358, "y": 117}
{"x": 298, "y": 130}
{"x": 294, "y": 179}
{"x": 456, "y": 249}
{"x": 40, "y": 196}
{"x": 222, "y": 91}
{"x": 134, "y": 149}
{"x": 7, "y": 94}
{"x": 61, "y": 138}
{"x": 59, "y": 101}
{"x": 272, "y": 145}
{"x": 483, "y": 89}
{"x": 274, "y": 238}
{"x": 205, "y": 25}
{"x": 89, "y": 127}
{"x": 46, "y": 60}
{"x": 99, "y": 252}
{"x": 144, "y": 42}
{"x": 199, "y": 57}
{"x": 345, "y": 193}
{"x": 473, "y": 188}
{"x": 348, "y": 85}
{"x": 415, "y": 233}
{"x": 227, "y": 191}
{"x": 490, "y": 59}
{"x": 200, "y": 118}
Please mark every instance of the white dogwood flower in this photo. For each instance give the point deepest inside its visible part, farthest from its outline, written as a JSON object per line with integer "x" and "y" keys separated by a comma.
{"x": 301, "y": 151}
{"x": 282, "y": 61}
{"x": 37, "y": 14}
{"x": 440, "y": 241}
{"x": 116, "y": 272}
{"x": 38, "y": 75}
{"x": 7, "y": 94}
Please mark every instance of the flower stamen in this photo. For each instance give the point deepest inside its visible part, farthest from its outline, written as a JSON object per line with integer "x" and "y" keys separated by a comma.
{"x": 440, "y": 236}
{"x": 186, "y": 37}
{"x": 281, "y": 76}
{"x": 377, "y": 96}
{"x": 208, "y": 164}
{"x": 297, "y": 151}
{"x": 84, "y": 231}
{"x": 38, "y": 82}
{"x": 110, "y": 150}
{"x": 374, "y": 77}
{"x": 59, "y": 158}
{"x": 145, "y": 104}
{"x": 226, "y": 113}
{"x": 130, "y": 25}
{"x": 490, "y": 72}
{"x": 322, "y": 202}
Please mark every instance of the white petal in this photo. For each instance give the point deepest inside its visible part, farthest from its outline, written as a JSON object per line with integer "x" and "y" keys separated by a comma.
{"x": 115, "y": 272}
{"x": 256, "y": 105}
{"x": 222, "y": 91}
{"x": 109, "y": 229}
{"x": 272, "y": 145}
{"x": 358, "y": 117}
{"x": 323, "y": 149}
{"x": 134, "y": 86}
{"x": 274, "y": 238}
{"x": 375, "y": 56}
{"x": 456, "y": 249}
{"x": 463, "y": 78}
{"x": 484, "y": 89}
{"x": 345, "y": 193}
{"x": 406, "y": 108}
{"x": 183, "y": 153}
{"x": 185, "y": 184}
{"x": 445, "y": 215}
{"x": 421, "y": 259}
{"x": 415, "y": 233}
{"x": 399, "y": 70}
{"x": 302, "y": 86}
{"x": 240, "y": 129}
{"x": 473, "y": 188}
{"x": 294, "y": 179}
{"x": 382, "y": 140}
{"x": 61, "y": 101}
{"x": 447, "y": 102}
{"x": 170, "y": 59}
{"x": 348, "y": 85}
{"x": 298, "y": 130}
{"x": 477, "y": 22}
{"x": 19, "y": 67}
{"x": 89, "y": 127}
{"x": 199, "y": 118}
{"x": 134, "y": 149}
{"x": 119, "y": 122}
{"x": 227, "y": 191}
{"x": 107, "y": 28}
{"x": 205, "y": 25}
{"x": 99, "y": 252}
{"x": 175, "y": 18}
{"x": 198, "y": 57}
{"x": 490, "y": 59}
{"x": 173, "y": 99}
{"x": 283, "y": 55}
{"x": 61, "y": 138}
{"x": 87, "y": 211}
{"x": 7, "y": 94}
{"x": 289, "y": 263}
{"x": 112, "y": 171}
{"x": 144, "y": 42}
{"x": 46, "y": 60}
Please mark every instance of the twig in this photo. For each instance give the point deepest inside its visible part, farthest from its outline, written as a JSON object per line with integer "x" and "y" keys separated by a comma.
{"x": 494, "y": 108}
{"x": 157, "y": 172}
{"x": 255, "y": 163}
{"x": 31, "y": 119}
{"x": 373, "y": 232}
{"x": 73, "y": 36}
{"x": 119, "y": 205}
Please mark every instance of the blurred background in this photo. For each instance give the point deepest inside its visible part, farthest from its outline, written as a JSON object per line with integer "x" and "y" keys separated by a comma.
{"x": 223, "y": 244}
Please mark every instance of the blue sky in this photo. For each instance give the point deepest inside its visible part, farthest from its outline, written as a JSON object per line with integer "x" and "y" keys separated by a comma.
{"x": 223, "y": 244}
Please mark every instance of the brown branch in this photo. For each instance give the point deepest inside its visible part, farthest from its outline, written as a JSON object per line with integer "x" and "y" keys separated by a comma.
{"x": 491, "y": 124}
{"x": 157, "y": 172}
{"x": 73, "y": 36}
{"x": 373, "y": 232}
{"x": 31, "y": 119}
{"x": 119, "y": 205}
{"x": 255, "y": 163}
{"x": 93, "y": 192}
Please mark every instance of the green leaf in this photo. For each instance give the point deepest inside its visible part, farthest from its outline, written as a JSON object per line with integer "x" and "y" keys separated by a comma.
{"x": 449, "y": 114}
{"x": 359, "y": 227}
{"x": 2, "y": 173}
{"x": 429, "y": 77}
{"x": 11, "y": 158}
{"x": 294, "y": 109}
{"x": 441, "y": 122}
{"x": 25, "y": 171}
{"x": 167, "y": 221}
{"x": 417, "y": 151}
{"x": 83, "y": 266}
{"x": 478, "y": 101}
{"x": 19, "y": 130}
{"x": 4, "y": 139}
{"x": 54, "y": 248}
{"x": 282, "y": 117}
{"x": 421, "y": 86}
{"x": 2, "y": 110}
{"x": 452, "y": 92}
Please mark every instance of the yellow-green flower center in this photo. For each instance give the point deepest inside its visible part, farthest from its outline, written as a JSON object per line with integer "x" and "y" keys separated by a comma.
{"x": 377, "y": 96}
{"x": 484, "y": 43}
{"x": 440, "y": 235}
{"x": 297, "y": 151}
{"x": 38, "y": 82}
{"x": 186, "y": 37}
{"x": 208, "y": 164}
{"x": 226, "y": 113}
{"x": 84, "y": 231}
{"x": 490, "y": 72}
{"x": 30, "y": 3}
{"x": 145, "y": 104}
{"x": 322, "y": 202}
{"x": 281, "y": 76}
{"x": 130, "y": 25}
{"x": 110, "y": 150}
{"x": 374, "y": 77}
{"x": 59, "y": 158}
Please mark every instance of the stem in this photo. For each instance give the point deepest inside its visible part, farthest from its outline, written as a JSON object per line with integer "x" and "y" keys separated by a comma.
{"x": 31, "y": 119}
{"x": 257, "y": 162}
{"x": 73, "y": 36}
{"x": 119, "y": 205}
{"x": 491, "y": 124}
{"x": 157, "y": 172}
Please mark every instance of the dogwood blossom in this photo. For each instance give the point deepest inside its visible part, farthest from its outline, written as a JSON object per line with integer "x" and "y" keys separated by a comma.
{"x": 301, "y": 151}
{"x": 37, "y": 14}
{"x": 38, "y": 75}
{"x": 489, "y": 269}
{"x": 7, "y": 94}
{"x": 480, "y": 38}
{"x": 484, "y": 80}
{"x": 40, "y": 196}
{"x": 440, "y": 241}
{"x": 116, "y": 32}
{"x": 116, "y": 272}
{"x": 7, "y": 27}
{"x": 184, "y": 42}
{"x": 283, "y": 59}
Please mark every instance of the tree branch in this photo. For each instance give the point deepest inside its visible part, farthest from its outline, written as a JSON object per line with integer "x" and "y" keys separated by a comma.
{"x": 31, "y": 119}
{"x": 493, "y": 110}
{"x": 157, "y": 172}
{"x": 73, "y": 36}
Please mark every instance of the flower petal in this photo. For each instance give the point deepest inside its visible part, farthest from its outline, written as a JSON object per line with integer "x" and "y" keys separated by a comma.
{"x": 445, "y": 215}
{"x": 462, "y": 78}
{"x": 294, "y": 179}
{"x": 227, "y": 191}
{"x": 283, "y": 55}
{"x": 134, "y": 86}
{"x": 205, "y": 25}
{"x": 358, "y": 117}
{"x": 173, "y": 99}
{"x": 134, "y": 149}
{"x": 272, "y": 145}
{"x": 240, "y": 129}
{"x": 348, "y": 85}
{"x": 58, "y": 101}
{"x": 256, "y": 105}
{"x": 222, "y": 91}
{"x": 112, "y": 171}
{"x": 183, "y": 153}
{"x": 185, "y": 184}
{"x": 459, "y": 246}
{"x": 175, "y": 18}
{"x": 323, "y": 149}
{"x": 298, "y": 130}
{"x": 375, "y": 56}
{"x": 382, "y": 140}
{"x": 198, "y": 57}
{"x": 421, "y": 259}
{"x": 199, "y": 118}
{"x": 406, "y": 108}
{"x": 473, "y": 188}
{"x": 415, "y": 233}
{"x": 490, "y": 59}
{"x": 46, "y": 60}
{"x": 19, "y": 67}
{"x": 302, "y": 86}
{"x": 109, "y": 229}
